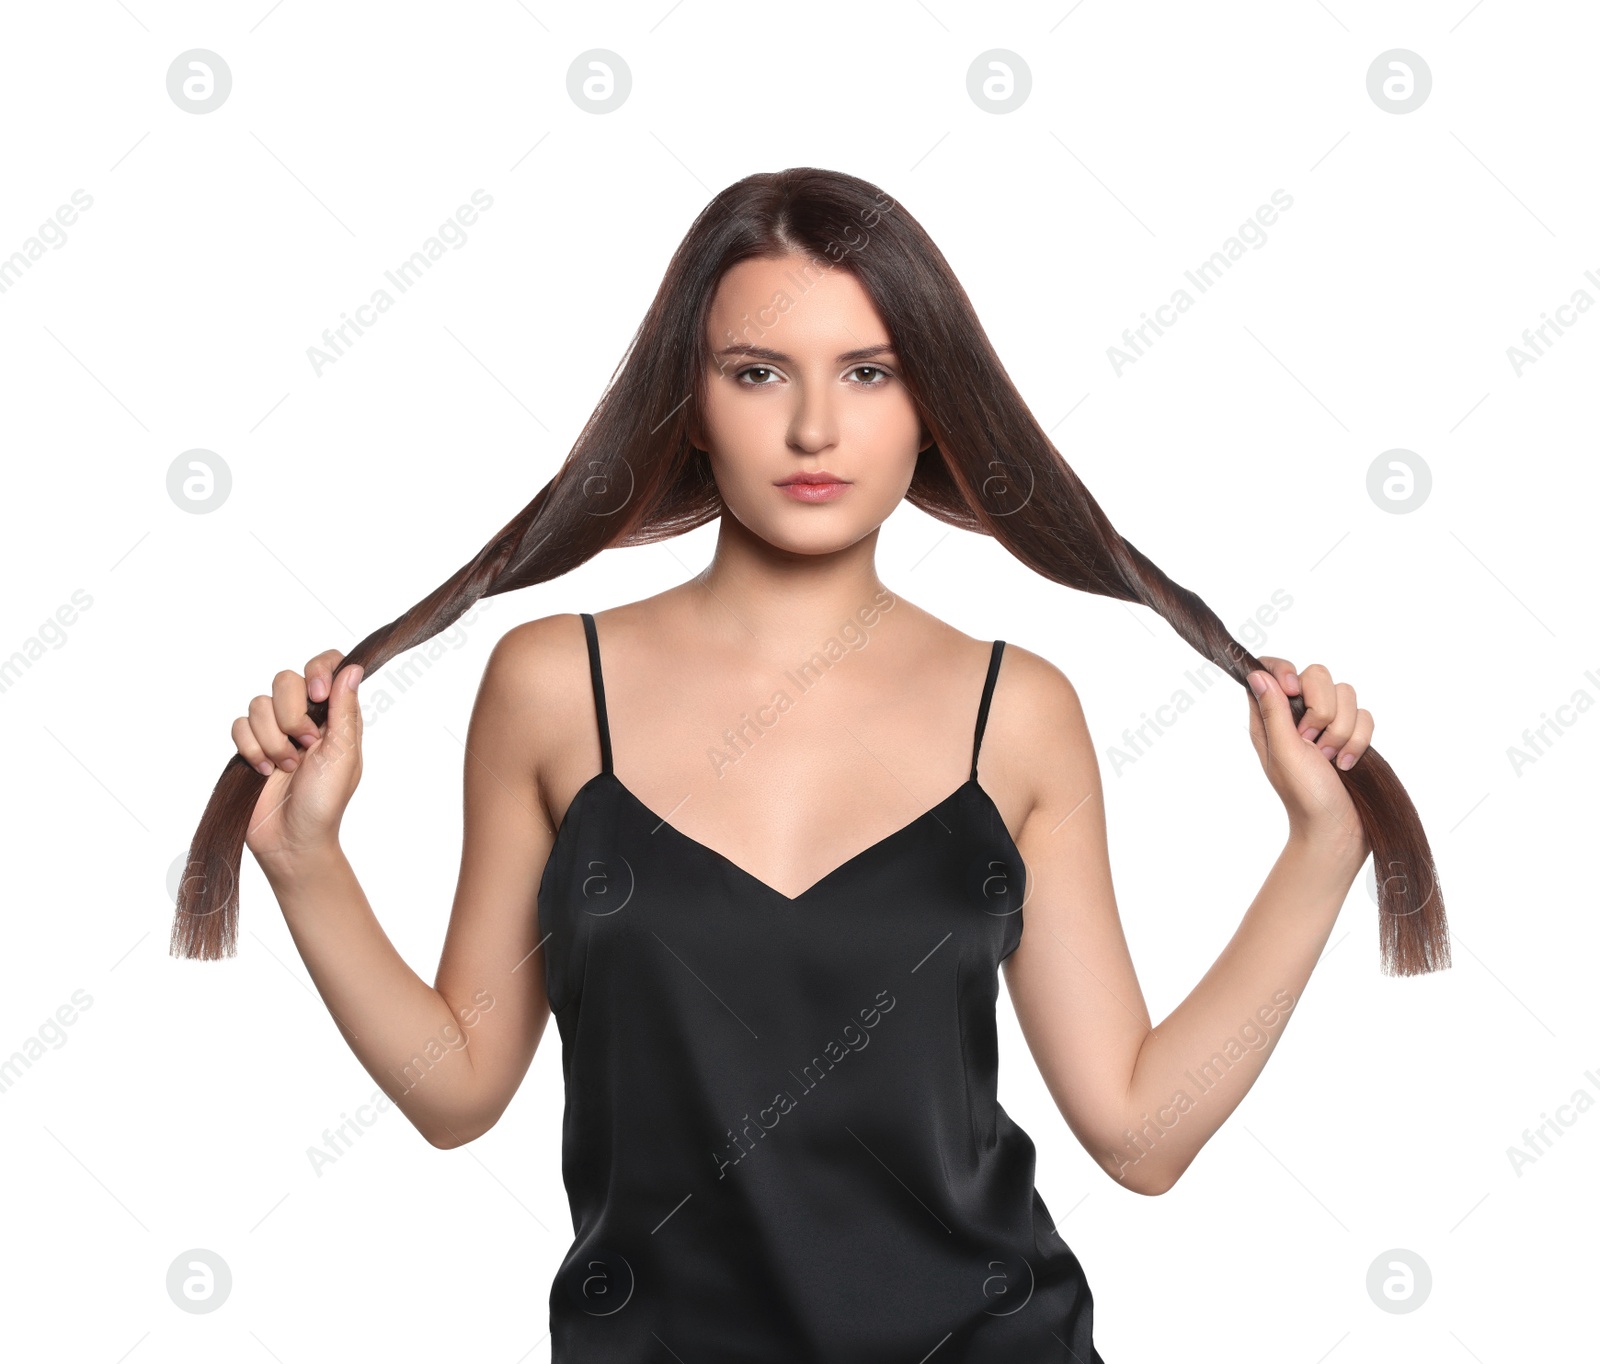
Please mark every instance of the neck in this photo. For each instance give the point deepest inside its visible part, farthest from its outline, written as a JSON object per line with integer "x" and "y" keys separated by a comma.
{"x": 780, "y": 602}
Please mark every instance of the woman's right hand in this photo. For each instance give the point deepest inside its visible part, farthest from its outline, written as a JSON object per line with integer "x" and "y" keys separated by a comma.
{"x": 306, "y": 790}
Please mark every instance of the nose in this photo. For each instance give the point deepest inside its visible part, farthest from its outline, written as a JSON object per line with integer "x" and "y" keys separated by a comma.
{"x": 813, "y": 425}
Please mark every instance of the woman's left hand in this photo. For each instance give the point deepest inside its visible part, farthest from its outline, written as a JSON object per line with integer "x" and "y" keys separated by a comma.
{"x": 1299, "y": 759}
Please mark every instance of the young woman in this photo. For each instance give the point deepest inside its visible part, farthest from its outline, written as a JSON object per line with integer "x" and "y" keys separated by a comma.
{"x": 763, "y": 841}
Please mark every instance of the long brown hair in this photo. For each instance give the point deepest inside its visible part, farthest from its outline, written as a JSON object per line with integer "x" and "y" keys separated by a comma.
{"x": 633, "y": 477}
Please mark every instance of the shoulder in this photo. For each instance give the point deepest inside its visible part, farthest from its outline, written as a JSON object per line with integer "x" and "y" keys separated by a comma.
{"x": 1038, "y": 728}
{"x": 545, "y": 659}
{"x": 536, "y": 692}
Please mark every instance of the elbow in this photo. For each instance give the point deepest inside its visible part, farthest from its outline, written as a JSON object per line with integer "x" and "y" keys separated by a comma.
{"x": 1153, "y": 1184}
{"x": 1141, "y": 1177}
{"x": 446, "y": 1136}
{"x": 1161, "y": 1178}
{"x": 1139, "y": 1162}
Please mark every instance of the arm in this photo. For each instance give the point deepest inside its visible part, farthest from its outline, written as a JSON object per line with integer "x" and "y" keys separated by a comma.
{"x": 450, "y": 1055}
{"x": 1144, "y": 1100}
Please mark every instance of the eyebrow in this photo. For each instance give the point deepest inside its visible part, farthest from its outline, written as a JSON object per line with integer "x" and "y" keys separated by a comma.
{"x": 778, "y": 357}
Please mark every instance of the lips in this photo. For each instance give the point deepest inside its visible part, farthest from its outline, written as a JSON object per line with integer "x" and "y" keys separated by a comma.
{"x": 817, "y": 487}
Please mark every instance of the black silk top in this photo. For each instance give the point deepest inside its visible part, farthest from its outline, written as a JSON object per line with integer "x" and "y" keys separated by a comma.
{"x": 781, "y": 1139}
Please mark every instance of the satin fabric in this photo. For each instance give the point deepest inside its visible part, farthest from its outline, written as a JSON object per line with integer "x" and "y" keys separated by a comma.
{"x": 781, "y": 1140}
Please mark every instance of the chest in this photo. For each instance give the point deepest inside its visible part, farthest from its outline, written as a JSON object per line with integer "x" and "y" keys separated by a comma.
{"x": 621, "y": 882}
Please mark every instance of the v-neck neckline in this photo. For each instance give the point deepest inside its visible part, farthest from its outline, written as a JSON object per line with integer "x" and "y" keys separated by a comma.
{"x": 723, "y": 860}
{"x": 749, "y": 876}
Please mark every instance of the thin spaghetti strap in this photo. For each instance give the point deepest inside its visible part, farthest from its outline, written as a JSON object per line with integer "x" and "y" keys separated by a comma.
{"x": 599, "y": 692}
{"x": 983, "y": 706}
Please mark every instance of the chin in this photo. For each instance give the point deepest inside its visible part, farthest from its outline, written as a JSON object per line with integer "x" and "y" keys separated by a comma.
{"x": 794, "y": 535}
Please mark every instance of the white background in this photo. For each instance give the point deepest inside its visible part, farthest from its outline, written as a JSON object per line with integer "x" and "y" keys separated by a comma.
{"x": 178, "y": 313}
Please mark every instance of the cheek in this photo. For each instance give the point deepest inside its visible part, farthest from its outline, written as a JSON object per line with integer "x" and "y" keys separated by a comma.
{"x": 739, "y": 442}
{"x": 742, "y": 432}
{"x": 755, "y": 426}
{"x": 883, "y": 441}
{"x": 887, "y": 438}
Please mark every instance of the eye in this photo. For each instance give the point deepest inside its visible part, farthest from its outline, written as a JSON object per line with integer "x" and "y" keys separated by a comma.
{"x": 873, "y": 369}
{"x": 753, "y": 369}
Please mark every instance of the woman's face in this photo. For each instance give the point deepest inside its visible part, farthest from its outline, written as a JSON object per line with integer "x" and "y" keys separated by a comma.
{"x": 802, "y": 381}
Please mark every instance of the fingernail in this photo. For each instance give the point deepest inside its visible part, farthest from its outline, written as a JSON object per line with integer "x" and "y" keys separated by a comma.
{"x": 1347, "y": 761}
{"x": 1258, "y": 684}
{"x": 356, "y": 671}
{"x": 309, "y": 738}
{"x": 264, "y": 768}
{"x": 289, "y": 764}
{"x": 1329, "y": 752}
{"x": 318, "y": 690}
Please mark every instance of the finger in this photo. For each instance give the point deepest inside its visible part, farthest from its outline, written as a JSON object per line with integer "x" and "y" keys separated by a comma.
{"x": 1343, "y": 724}
{"x": 319, "y": 673}
{"x": 1284, "y": 671}
{"x": 1322, "y": 701}
{"x": 289, "y": 707}
{"x": 1358, "y": 743}
{"x": 344, "y": 710}
{"x": 1276, "y": 717}
{"x": 244, "y": 740}
{"x": 272, "y": 740}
